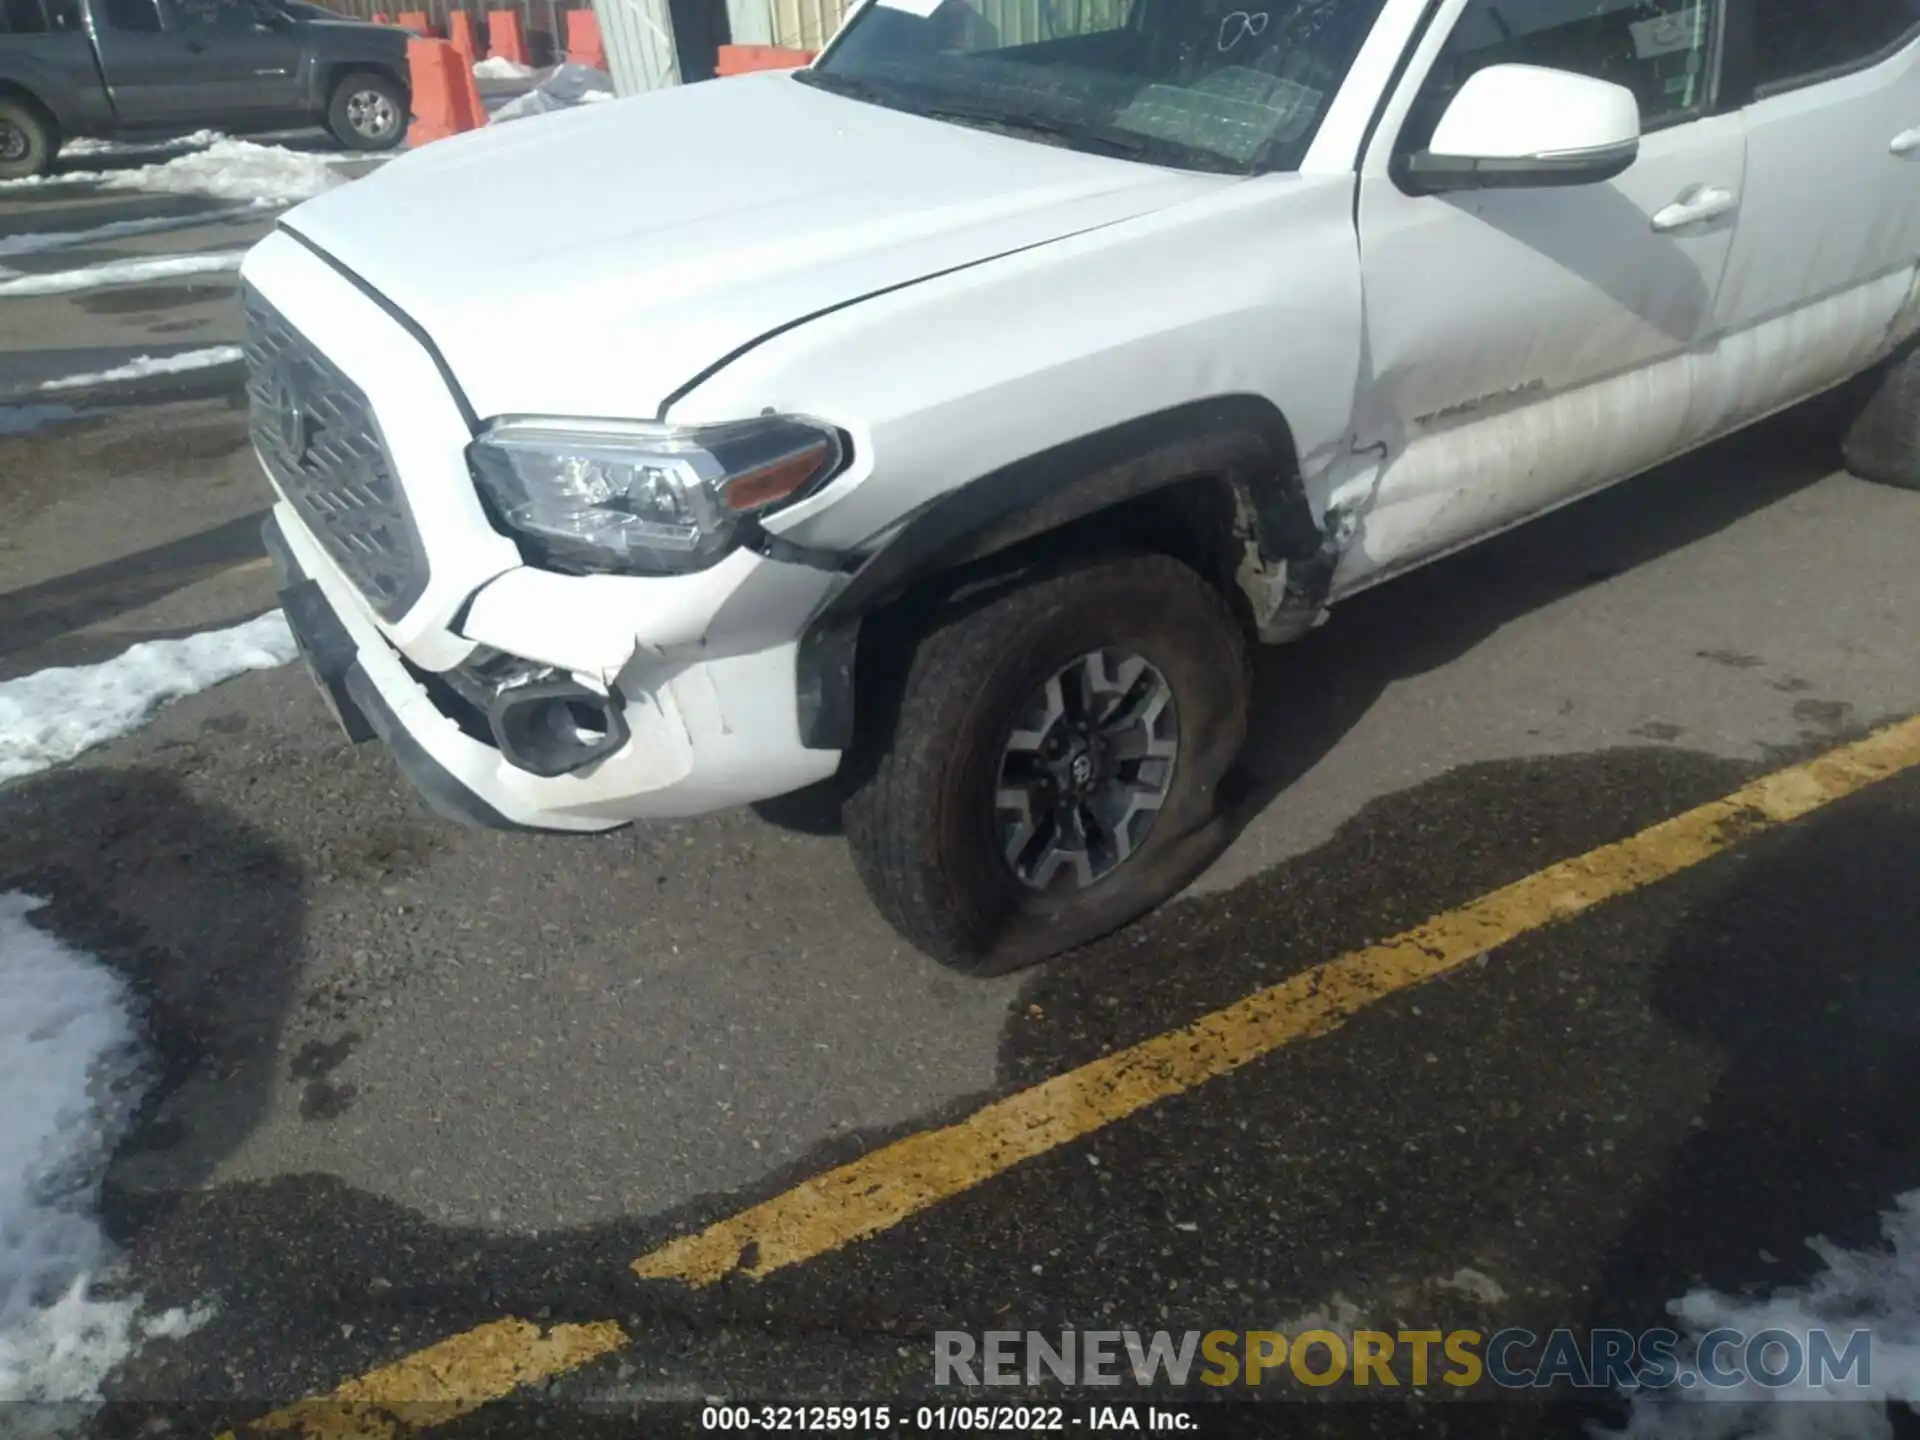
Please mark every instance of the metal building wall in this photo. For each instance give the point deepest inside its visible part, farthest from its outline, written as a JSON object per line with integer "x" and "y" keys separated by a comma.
{"x": 640, "y": 46}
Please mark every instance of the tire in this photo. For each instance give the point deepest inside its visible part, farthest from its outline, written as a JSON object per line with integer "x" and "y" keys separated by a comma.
{"x": 1882, "y": 440}
{"x": 922, "y": 814}
{"x": 27, "y": 142}
{"x": 368, "y": 111}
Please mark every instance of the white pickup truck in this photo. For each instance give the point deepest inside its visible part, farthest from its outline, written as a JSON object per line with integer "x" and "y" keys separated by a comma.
{"x": 947, "y": 419}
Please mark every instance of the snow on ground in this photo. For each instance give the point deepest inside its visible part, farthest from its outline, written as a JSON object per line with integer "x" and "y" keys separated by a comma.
{"x": 119, "y": 272}
{"x": 498, "y": 67}
{"x": 53, "y": 715}
{"x": 1858, "y": 1290}
{"x": 70, "y": 1077}
{"x": 229, "y": 169}
{"x": 60, "y": 239}
{"x": 235, "y": 170}
{"x": 141, "y": 366}
{"x": 134, "y": 147}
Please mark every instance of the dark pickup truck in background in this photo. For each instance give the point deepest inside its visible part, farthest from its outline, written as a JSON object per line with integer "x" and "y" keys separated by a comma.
{"x": 115, "y": 68}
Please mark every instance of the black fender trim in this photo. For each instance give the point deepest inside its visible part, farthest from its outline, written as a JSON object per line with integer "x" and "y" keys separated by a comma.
{"x": 1242, "y": 439}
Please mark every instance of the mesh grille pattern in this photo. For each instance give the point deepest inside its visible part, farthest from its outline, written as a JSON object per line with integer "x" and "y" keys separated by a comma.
{"x": 316, "y": 434}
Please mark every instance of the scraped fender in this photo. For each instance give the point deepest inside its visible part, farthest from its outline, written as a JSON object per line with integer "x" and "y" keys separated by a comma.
{"x": 1243, "y": 440}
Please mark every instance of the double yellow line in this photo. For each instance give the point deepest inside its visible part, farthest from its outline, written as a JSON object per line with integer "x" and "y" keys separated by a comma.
{"x": 902, "y": 1179}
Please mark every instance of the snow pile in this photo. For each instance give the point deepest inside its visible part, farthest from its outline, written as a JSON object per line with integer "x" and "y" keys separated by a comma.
{"x": 263, "y": 175}
{"x": 498, "y": 67}
{"x": 568, "y": 86}
{"x": 70, "y": 1069}
{"x": 234, "y": 170}
{"x": 197, "y": 140}
{"x": 1877, "y": 1291}
{"x": 51, "y": 716}
{"x": 119, "y": 272}
{"x": 142, "y": 366}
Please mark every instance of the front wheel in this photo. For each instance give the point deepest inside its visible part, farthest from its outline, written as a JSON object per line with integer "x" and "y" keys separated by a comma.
{"x": 26, "y": 140}
{"x": 368, "y": 112}
{"x": 1052, "y": 762}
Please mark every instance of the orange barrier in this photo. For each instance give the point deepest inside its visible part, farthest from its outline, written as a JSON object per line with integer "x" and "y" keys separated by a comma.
{"x": 505, "y": 38}
{"x": 416, "y": 21}
{"x": 460, "y": 35}
{"x": 445, "y": 99}
{"x": 584, "y": 46}
{"x": 740, "y": 59}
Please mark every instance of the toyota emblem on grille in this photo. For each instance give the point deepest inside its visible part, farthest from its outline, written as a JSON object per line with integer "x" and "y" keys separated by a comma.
{"x": 292, "y": 421}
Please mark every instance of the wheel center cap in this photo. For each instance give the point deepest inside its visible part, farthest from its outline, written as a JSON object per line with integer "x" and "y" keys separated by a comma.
{"x": 1081, "y": 770}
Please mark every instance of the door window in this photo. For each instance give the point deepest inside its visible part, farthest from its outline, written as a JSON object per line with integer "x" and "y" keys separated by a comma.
{"x": 218, "y": 17}
{"x": 140, "y": 16}
{"x": 1662, "y": 50}
{"x": 1799, "y": 41}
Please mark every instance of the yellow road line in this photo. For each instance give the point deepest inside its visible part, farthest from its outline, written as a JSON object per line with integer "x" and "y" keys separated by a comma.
{"x": 899, "y": 1180}
{"x": 447, "y": 1380}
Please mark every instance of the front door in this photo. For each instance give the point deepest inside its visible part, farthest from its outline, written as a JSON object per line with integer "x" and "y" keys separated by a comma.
{"x": 244, "y": 64}
{"x": 1530, "y": 346}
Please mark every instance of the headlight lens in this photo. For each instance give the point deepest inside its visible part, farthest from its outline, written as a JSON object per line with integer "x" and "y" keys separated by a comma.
{"x": 647, "y": 499}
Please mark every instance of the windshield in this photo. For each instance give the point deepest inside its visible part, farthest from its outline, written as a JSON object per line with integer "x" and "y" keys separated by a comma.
{"x": 1231, "y": 85}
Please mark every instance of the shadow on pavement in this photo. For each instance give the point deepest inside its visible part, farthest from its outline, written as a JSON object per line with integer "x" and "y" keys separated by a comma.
{"x": 36, "y": 614}
{"x": 1307, "y": 696}
{"x": 199, "y": 911}
{"x": 1801, "y": 978}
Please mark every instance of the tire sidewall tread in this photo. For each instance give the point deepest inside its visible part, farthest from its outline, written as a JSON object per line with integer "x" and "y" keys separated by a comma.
{"x": 918, "y": 819}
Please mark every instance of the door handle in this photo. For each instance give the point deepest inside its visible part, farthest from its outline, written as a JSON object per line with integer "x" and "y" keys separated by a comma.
{"x": 1906, "y": 143}
{"x": 1709, "y": 202}
{"x": 194, "y": 47}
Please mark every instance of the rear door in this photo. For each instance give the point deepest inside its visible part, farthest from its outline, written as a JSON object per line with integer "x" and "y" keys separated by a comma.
{"x": 245, "y": 62}
{"x": 1824, "y": 260}
{"x": 143, "y": 62}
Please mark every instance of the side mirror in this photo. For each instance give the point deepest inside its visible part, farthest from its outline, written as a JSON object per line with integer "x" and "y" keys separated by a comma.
{"x": 1517, "y": 126}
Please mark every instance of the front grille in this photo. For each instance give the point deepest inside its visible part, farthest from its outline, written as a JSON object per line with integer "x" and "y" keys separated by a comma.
{"x": 316, "y": 433}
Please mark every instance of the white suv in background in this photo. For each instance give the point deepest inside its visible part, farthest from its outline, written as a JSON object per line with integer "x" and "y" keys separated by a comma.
{"x": 948, "y": 418}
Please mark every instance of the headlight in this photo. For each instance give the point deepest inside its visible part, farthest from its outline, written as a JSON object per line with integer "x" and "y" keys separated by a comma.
{"x": 648, "y": 499}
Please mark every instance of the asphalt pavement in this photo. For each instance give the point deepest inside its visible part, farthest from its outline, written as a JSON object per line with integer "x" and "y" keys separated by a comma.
{"x": 412, "y": 1079}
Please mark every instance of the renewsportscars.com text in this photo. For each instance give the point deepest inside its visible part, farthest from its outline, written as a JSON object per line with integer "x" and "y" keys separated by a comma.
{"x": 1510, "y": 1359}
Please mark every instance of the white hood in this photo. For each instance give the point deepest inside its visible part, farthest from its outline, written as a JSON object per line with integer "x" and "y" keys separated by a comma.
{"x": 591, "y": 262}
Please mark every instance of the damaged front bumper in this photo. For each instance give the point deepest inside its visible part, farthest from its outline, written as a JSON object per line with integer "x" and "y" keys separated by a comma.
{"x": 690, "y": 738}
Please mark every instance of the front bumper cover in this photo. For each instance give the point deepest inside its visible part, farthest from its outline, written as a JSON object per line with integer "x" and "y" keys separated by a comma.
{"x": 363, "y": 714}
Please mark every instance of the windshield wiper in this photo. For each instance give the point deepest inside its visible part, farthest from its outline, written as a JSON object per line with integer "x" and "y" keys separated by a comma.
{"x": 1126, "y": 145}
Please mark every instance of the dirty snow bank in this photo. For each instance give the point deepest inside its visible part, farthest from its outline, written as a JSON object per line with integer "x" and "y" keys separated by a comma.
{"x": 70, "y": 1073}
{"x": 141, "y": 366}
{"x": 568, "y": 86}
{"x": 199, "y": 139}
{"x": 235, "y": 170}
{"x": 228, "y": 169}
{"x": 51, "y": 716}
{"x": 119, "y": 272}
{"x": 1858, "y": 1290}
